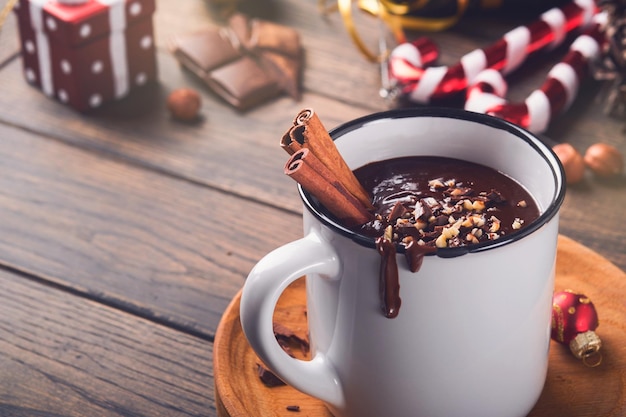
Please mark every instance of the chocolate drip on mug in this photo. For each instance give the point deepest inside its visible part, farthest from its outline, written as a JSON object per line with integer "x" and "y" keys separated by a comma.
{"x": 389, "y": 283}
{"x": 414, "y": 254}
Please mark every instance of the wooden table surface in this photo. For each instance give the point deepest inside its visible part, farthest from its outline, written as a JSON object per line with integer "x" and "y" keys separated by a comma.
{"x": 125, "y": 234}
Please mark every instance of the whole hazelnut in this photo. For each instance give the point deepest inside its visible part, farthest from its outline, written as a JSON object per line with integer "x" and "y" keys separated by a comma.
{"x": 572, "y": 160}
{"x": 604, "y": 160}
{"x": 184, "y": 104}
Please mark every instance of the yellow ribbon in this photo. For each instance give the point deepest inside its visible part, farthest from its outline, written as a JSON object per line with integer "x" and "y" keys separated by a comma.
{"x": 395, "y": 15}
{"x": 345, "y": 9}
{"x": 400, "y": 12}
{"x": 4, "y": 13}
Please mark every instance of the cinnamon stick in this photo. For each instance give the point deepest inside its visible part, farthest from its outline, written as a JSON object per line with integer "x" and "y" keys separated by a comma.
{"x": 293, "y": 139}
{"x": 308, "y": 117}
{"x": 309, "y": 132}
{"x": 305, "y": 168}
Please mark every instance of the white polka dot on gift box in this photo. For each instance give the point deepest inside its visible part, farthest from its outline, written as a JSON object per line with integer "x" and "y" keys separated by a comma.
{"x": 51, "y": 23}
{"x": 134, "y": 9}
{"x": 95, "y": 100}
{"x": 141, "y": 78}
{"x": 29, "y": 46}
{"x": 97, "y": 67}
{"x": 66, "y": 67}
{"x": 146, "y": 42}
{"x": 85, "y": 30}
{"x": 63, "y": 96}
{"x": 30, "y": 75}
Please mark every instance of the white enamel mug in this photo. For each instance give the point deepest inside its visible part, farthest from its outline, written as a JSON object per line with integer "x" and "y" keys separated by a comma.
{"x": 473, "y": 332}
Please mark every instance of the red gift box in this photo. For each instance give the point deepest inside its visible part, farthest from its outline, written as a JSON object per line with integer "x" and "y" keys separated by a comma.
{"x": 87, "y": 52}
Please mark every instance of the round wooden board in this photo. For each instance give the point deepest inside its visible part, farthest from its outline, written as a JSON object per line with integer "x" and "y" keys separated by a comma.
{"x": 571, "y": 390}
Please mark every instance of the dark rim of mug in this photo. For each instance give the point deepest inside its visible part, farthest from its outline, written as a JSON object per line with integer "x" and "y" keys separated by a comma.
{"x": 549, "y": 156}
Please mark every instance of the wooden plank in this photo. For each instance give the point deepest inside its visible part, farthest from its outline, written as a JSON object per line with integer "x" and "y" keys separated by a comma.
{"x": 161, "y": 247}
{"x": 62, "y": 355}
{"x": 140, "y": 129}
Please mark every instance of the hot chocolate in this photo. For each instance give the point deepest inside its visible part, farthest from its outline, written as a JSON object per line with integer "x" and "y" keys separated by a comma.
{"x": 423, "y": 196}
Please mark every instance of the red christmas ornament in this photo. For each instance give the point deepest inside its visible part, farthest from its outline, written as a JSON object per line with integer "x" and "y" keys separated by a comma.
{"x": 574, "y": 320}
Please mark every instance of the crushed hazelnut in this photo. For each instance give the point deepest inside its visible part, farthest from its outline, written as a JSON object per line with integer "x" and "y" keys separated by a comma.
{"x": 468, "y": 222}
{"x": 495, "y": 224}
{"x": 441, "y": 241}
{"x": 478, "y": 220}
{"x": 471, "y": 238}
{"x": 436, "y": 183}
{"x": 420, "y": 224}
{"x": 478, "y": 205}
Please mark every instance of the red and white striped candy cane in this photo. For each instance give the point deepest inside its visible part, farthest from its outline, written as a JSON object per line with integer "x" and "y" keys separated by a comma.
{"x": 486, "y": 93}
{"x": 421, "y": 85}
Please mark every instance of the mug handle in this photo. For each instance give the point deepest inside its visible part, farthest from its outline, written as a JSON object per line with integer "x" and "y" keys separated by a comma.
{"x": 262, "y": 289}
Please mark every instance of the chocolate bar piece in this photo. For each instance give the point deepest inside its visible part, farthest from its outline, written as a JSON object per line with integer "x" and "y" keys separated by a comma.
{"x": 268, "y": 378}
{"x": 246, "y": 63}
